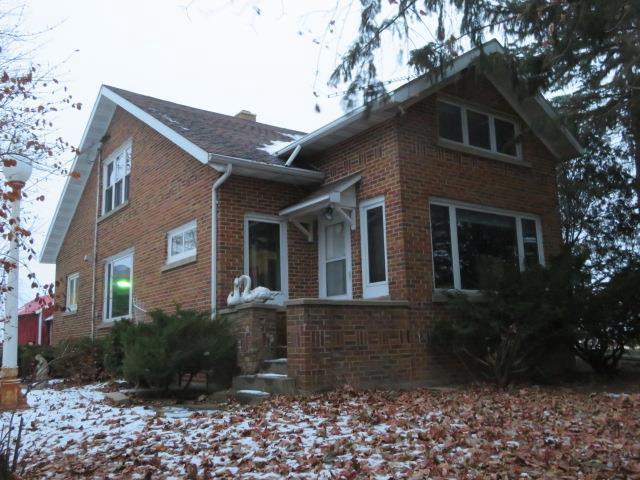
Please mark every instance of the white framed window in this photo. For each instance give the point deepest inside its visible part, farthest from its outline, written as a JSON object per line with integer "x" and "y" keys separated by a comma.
{"x": 72, "y": 292}
{"x": 373, "y": 240}
{"x": 118, "y": 286}
{"x": 469, "y": 240}
{"x": 182, "y": 242}
{"x": 334, "y": 258}
{"x": 477, "y": 129}
{"x": 265, "y": 253}
{"x": 116, "y": 173}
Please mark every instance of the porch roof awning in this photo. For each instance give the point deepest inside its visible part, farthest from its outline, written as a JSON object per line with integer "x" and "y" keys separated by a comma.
{"x": 333, "y": 193}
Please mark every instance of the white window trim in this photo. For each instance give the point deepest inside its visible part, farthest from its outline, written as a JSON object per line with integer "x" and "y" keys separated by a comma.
{"x": 192, "y": 225}
{"x": 453, "y": 222}
{"x": 375, "y": 289}
{"x": 322, "y": 260}
{"x": 284, "y": 258}
{"x": 105, "y": 165}
{"x": 464, "y": 107}
{"x": 107, "y": 295}
{"x": 73, "y": 277}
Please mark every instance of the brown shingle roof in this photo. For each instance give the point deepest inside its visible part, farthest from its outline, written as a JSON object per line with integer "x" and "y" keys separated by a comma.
{"x": 214, "y": 132}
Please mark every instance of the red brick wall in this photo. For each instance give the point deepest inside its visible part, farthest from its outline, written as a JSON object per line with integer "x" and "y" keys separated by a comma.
{"x": 168, "y": 188}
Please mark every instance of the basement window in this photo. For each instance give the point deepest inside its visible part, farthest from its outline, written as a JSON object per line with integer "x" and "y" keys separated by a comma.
{"x": 116, "y": 174}
{"x": 468, "y": 241}
{"x": 477, "y": 130}
{"x": 181, "y": 242}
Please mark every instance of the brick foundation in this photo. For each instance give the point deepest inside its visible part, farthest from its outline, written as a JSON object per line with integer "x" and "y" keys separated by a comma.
{"x": 259, "y": 329}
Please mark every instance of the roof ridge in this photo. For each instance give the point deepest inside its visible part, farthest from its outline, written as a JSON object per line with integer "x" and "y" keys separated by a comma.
{"x": 182, "y": 105}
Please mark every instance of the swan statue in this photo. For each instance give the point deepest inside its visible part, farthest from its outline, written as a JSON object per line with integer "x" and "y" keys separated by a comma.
{"x": 258, "y": 294}
{"x": 234, "y": 297}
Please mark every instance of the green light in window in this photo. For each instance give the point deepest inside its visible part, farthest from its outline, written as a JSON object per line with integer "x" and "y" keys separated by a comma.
{"x": 123, "y": 283}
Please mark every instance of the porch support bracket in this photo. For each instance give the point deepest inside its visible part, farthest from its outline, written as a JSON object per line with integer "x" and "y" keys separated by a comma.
{"x": 348, "y": 215}
{"x": 307, "y": 232}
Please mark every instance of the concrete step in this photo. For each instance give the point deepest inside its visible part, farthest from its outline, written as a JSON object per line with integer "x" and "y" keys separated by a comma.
{"x": 276, "y": 365}
{"x": 273, "y": 383}
{"x": 250, "y": 397}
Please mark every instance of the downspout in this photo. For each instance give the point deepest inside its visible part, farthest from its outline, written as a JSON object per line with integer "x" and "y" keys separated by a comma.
{"x": 293, "y": 156}
{"x": 214, "y": 236}
{"x": 40, "y": 326}
{"x": 94, "y": 256}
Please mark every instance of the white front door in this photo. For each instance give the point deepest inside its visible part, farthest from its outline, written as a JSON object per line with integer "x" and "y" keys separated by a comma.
{"x": 334, "y": 258}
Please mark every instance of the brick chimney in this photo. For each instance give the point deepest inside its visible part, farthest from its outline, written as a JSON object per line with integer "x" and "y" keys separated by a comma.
{"x": 246, "y": 115}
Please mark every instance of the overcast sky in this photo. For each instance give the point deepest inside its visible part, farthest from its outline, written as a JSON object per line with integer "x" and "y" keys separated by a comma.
{"x": 218, "y": 55}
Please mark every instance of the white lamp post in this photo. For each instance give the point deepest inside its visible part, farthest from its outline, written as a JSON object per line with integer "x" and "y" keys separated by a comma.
{"x": 11, "y": 397}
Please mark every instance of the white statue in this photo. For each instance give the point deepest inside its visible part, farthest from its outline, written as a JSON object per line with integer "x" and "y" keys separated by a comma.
{"x": 258, "y": 294}
{"x": 42, "y": 368}
{"x": 234, "y": 297}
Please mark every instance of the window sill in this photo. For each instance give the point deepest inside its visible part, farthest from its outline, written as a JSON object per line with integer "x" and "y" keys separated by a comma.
{"x": 179, "y": 263}
{"x": 69, "y": 313}
{"x": 446, "y": 295}
{"x": 479, "y": 152}
{"x": 120, "y": 207}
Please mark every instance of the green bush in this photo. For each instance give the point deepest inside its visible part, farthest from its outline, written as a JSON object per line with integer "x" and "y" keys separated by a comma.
{"x": 607, "y": 319}
{"x": 79, "y": 360}
{"x": 159, "y": 353}
{"x": 519, "y": 319}
{"x": 113, "y": 345}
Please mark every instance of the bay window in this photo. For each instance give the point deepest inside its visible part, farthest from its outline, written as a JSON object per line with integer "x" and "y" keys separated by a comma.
{"x": 118, "y": 287}
{"x": 116, "y": 175}
{"x": 469, "y": 241}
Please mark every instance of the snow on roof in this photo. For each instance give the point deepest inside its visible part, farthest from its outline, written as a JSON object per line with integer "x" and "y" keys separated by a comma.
{"x": 34, "y": 306}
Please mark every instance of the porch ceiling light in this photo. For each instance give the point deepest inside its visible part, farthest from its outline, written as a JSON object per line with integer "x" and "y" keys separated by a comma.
{"x": 328, "y": 213}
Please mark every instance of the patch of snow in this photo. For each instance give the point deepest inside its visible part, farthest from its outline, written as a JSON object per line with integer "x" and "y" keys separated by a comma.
{"x": 274, "y": 146}
{"x": 257, "y": 393}
{"x": 272, "y": 375}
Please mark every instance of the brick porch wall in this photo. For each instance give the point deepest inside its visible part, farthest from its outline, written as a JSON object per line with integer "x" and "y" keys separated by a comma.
{"x": 365, "y": 344}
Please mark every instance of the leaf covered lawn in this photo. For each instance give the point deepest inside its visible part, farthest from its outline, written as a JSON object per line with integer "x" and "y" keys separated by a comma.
{"x": 471, "y": 433}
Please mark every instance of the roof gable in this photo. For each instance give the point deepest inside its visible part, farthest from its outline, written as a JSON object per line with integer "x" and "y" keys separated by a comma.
{"x": 535, "y": 111}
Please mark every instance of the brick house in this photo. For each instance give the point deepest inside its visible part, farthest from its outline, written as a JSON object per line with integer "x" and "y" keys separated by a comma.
{"x": 360, "y": 225}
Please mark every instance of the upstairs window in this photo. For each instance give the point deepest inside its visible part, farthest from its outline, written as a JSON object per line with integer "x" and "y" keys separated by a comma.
{"x": 117, "y": 170}
{"x": 477, "y": 129}
{"x": 72, "y": 292}
{"x": 181, "y": 242}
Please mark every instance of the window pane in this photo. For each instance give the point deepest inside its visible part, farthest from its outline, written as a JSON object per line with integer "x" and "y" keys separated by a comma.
{"x": 121, "y": 287}
{"x": 487, "y": 246}
{"x": 335, "y": 241}
{"x": 110, "y": 177}
{"x": 126, "y": 188}
{"x": 478, "y": 125}
{"x": 176, "y": 244}
{"x": 109, "y": 293}
{"x": 117, "y": 196}
{"x": 189, "y": 240}
{"x": 449, "y": 122}
{"x": 441, "y": 244}
{"x": 127, "y": 160}
{"x": 264, "y": 254}
{"x": 108, "y": 199}
{"x": 505, "y": 137}
{"x": 530, "y": 241}
{"x": 375, "y": 238}
{"x": 336, "y": 278}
